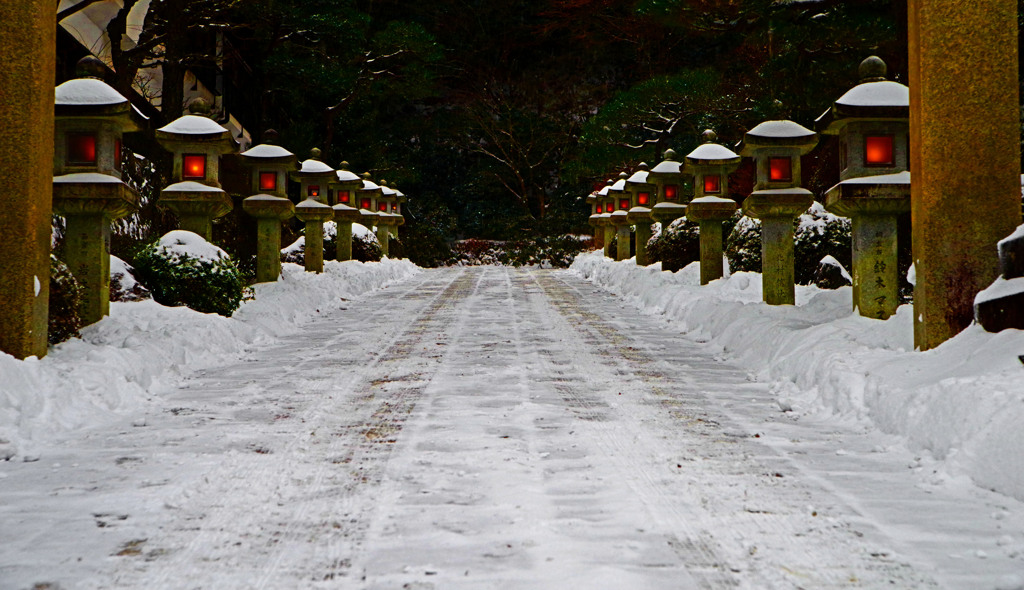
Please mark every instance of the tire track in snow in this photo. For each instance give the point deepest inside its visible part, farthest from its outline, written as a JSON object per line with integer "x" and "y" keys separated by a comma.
{"x": 214, "y": 525}
{"x": 776, "y": 516}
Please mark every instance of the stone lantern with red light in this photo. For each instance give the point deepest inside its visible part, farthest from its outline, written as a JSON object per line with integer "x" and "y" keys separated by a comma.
{"x": 605, "y": 207}
{"x": 196, "y": 143}
{"x": 710, "y": 165}
{"x": 342, "y": 198}
{"x": 667, "y": 176}
{"x": 620, "y": 202}
{"x": 872, "y": 123}
{"x": 90, "y": 118}
{"x": 386, "y": 220}
{"x": 314, "y": 178}
{"x": 366, "y": 201}
{"x": 270, "y": 165}
{"x": 778, "y": 199}
{"x": 642, "y": 195}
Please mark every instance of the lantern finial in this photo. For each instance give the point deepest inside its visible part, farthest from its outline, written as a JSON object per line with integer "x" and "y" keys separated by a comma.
{"x": 872, "y": 69}
{"x": 643, "y": 166}
{"x": 670, "y": 155}
{"x": 270, "y": 136}
{"x": 343, "y": 166}
{"x": 709, "y": 136}
{"x": 314, "y": 154}
{"x": 200, "y": 106}
{"x": 90, "y": 67}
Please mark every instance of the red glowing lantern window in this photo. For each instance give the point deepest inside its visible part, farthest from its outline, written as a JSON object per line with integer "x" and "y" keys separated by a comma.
{"x": 599, "y": 209}
{"x": 382, "y": 207}
{"x": 193, "y": 166}
{"x": 364, "y": 204}
{"x": 671, "y": 192}
{"x": 81, "y": 148}
{"x": 780, "y": 169}
{"x": 343, "y": 196}
{"x": 394, "y": 207}
{"x": 313, "y": 190}
{"x": 623, "y": 203}
{"x": 268, "y": 181}
{"x": 878, "y": 150}
{"x": 117, "y": 154}
{"x": 712, "y": 184}
{"x": 643, "y": 198}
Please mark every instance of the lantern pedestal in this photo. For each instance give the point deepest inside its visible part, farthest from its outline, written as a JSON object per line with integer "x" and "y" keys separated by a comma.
{"x": 314, "y": 213}
{"x": 196, "y": 206}
{"x": 620, "y": 223}
{"x": 345, "y": 216}
{"x": 383, "y": 235}
{"x": 709, "y": 213}
{"x": 269, "y": 212}
{"x": 1001, "y": 305}
{"x": 595, "y": 222}
{"x": 666, "y": 212}
{"x": 873, "y": 203}
{"x": 777, "y": 208}
{"x": 89, "y": 201}
{"x": 608, "y": 232}
{"x": 641, "y": 217}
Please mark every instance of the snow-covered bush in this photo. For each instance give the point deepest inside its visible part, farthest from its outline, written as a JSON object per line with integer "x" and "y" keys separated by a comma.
{"x": 551, "y": 251}
{"x": 818, "y": 234}
{"x": 123, "y": 286}
{"x": 365, "y": 247}
{"x": 65, "y": 303}
{"x": 675, "y": 246}
{"x": 182, "y": 268}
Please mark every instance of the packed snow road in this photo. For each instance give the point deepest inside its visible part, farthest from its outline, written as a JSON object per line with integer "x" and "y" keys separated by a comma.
{"x": 482, "y": 428}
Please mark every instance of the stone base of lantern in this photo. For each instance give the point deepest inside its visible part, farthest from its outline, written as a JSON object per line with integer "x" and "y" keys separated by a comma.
{"x": 641, "y": 217}
{"x": 196, "y": 206}
{"x": 609, "y": 235}
{"x": 314, "y": 214}
{"x": 1001, "y": 305}
{"x": 665, "y": 212}
{"x": 620, "y": 221}
{"x": 89, "y": 202}
{"x": 777, "y": 209}
{"x": 709, "y": 213}
{"x": 874, "y": 204}
{"x": 595, "y": 222}
{"x": 345, "y": 216}
{"x": 269, "y": 212}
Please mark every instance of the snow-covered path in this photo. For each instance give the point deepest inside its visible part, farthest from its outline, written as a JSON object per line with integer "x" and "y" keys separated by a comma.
{"x": 490, "y": 428}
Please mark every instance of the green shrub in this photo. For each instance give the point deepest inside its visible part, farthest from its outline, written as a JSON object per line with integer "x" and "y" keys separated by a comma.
{"x": 365, "y": 247}
{"x": 675, "y": 246}
{"x": 817, "y": 233}
{"x": 65, "y": 303}
{"x": 182, "y": 268}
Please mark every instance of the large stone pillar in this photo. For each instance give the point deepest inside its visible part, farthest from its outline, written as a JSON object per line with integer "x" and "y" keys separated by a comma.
{"x": 965, "y": 155}
{"x": 28, "y": 47}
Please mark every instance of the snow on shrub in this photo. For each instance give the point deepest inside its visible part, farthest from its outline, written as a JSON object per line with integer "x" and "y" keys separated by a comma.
{"x": 123, "y": 286}
{"x": 546, "y": 252}
{"x": 182, "y": 268}
{"x": 818, "y": 234}
{"x": 675, "y": 246}
{"x": 365, "y": 246}
{"x": 65, "y": 303}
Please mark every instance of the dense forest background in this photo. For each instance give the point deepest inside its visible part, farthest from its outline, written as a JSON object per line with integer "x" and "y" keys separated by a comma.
{"x": 498, "y": 118}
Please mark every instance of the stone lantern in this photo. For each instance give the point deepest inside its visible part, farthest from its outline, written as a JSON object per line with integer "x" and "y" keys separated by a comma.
{"x": 620, "y": 202}
{"x": 269, "y": 204}
{"x": 196, "y": 143}
{"x": 778, "y": 199}
{"x": 366, "y": 200}
{"x": 872, "y": 122}
{"x": 385, "y": 219}
{"x": 710, "y": 165}
{"x": 90, "y": 118}
{"x": 642, "y": 196}
{"x": 396, "y": 210}
{"x": 607, "y": 206}
{"x": 343, "y": 200}
{"x": 314, "y": 178}
{"x": 595, "y": 221}
{"x": 668, "y": 178}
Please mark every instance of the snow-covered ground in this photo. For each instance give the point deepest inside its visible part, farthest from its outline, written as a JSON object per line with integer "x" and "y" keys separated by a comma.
{"x": 960, "y": 406}
{"x": 379, "y": 426}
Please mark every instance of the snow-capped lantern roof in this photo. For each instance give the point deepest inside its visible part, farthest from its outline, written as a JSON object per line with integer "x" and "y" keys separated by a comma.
{"x": 619, "y": 186}
{"x": 770, "y": 130}
{"x": 370, "y": 185}
{"x": 875, "y": 98}
{"x": 785, "y": 135}
{"x": 346, "y": 176}
{"x": 194, "y": 125}
{"x": 266, "y": 151}
{"x": 313, "y": 166}
{"x": 90, "y": 98}
{"x": 87, "y": 92}
{"x": 640, "y": 176}
{"x": 670, "y": 165}
{"x": 712, "y": 153}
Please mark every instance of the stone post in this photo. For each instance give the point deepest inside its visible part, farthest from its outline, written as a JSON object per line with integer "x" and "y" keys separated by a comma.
{"x": 709, "y": 213}
{"x": 965, "y": 155}
{"x": 642, "y": 196}
{"x": 344, "y": 217}
{"x": 27, "y": 44}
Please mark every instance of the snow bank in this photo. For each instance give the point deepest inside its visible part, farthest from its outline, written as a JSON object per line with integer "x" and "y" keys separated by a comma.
{"x": 963, "y": 402}
{"x": 144, "y": 347}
